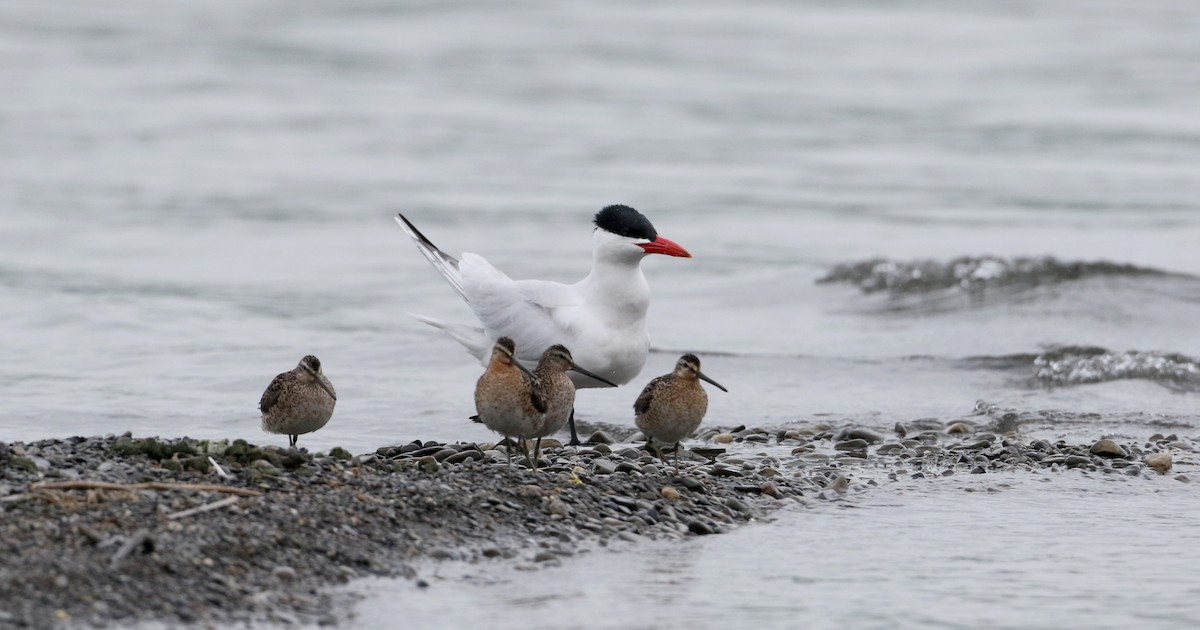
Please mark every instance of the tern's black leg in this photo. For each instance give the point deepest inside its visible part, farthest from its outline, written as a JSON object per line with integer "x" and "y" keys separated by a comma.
{"x": 292, "y": 439}
{"x": 574, "y": 436}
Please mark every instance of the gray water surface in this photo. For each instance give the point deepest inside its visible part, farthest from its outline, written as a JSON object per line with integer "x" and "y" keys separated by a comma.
{"x": 194, "y": 196}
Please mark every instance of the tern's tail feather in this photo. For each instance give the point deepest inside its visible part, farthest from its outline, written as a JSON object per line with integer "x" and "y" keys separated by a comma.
{"x": 444, "y": 262}
{"x": 473, "y": 338}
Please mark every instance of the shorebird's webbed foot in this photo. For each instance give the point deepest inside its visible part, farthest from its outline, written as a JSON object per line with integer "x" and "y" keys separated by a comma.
{"x": 574, "y": 436}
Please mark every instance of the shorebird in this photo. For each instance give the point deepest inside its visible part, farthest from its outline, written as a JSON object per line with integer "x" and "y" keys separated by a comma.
{"x": 298, "y": 401}
{"x": 671, "y": 406}
{"x": 522, "y": 405}
{"x": 602, "y": 317}
{"x": 557, "y": 391}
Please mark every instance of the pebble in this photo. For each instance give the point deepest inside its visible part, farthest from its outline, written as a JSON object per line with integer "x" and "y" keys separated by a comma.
{"x": 960, "y": 428}
{"x": 604, "y": 466}
{"x": 599, "y": 437}
{"x": 284, "y": 573}
{"x": 723, "y": 438}
{"x": 698, "y": 527}
{"x": 865, "y": 435}
{"x": 669, "y": 493}
{"x": 1159, "y": 461}
{"x": 1108, "y": 448}
{"x": 463, "y": 456}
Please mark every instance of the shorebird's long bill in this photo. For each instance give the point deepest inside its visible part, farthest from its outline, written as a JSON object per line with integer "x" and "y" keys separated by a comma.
{"x": 662, "y": 245}
{"x": 524, "y": 369}
{"x": 325, "y": 385}
{"x": 589, "y": 374}
{"x": 701, "y": 375}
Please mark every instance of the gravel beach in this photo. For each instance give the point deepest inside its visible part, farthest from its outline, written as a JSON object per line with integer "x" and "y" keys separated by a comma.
{"x": 122, "y": 529}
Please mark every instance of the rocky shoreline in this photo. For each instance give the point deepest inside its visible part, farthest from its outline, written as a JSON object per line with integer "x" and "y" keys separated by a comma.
{"x": 117, "y": 529}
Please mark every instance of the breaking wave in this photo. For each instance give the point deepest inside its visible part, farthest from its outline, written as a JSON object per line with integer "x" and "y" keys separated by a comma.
{"x": 971, "y": 273}
{"x": 1075, "y": 365}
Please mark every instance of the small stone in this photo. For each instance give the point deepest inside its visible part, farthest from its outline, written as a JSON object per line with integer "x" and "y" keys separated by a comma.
{"x": 721, "y": 471}
{"x": 555, "y": 505}
{"x": 978, "y": 470}
{"x": 1108, "y": 448}
{"x": 604, "y": 466}
{"x": 960, "y": 428}
{"x": 442, "y": 454}
{"x": 464, "y": 456}
{"x": 856, "y": 444}
{"x": 599, "y": 437}
{"x": 1159, "y": 461}
{"x": 698, "y": 527}
{"x": 669, "y": 493}
{"x": 900, "y": 430}
{"x": 723, "y": 438}
{"x": 770, "y": 490}
{"x": 866, "y": 435}
{"x": 737, "y": 505}
{"x": 428, "y": 464}
{"x": 545, "y": 556}
{"x": 284, "y": 573}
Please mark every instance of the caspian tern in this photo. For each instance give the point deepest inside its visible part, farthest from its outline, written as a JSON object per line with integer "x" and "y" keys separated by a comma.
{"x": 601, "y": 318}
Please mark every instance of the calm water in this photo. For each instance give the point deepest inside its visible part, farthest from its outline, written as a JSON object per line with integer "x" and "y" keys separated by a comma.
{"x": 972, "y": 553}
{"x": 193, "y": 196}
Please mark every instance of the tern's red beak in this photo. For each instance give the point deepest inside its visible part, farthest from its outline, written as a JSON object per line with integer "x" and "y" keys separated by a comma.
{"x": 666, "y": 246}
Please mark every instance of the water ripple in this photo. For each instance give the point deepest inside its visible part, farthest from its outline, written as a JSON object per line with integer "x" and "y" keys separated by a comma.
{"x": 972, "y": 273}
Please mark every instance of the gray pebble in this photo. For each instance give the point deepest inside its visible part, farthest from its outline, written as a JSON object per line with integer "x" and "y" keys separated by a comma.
{"x": 604, "y": 467}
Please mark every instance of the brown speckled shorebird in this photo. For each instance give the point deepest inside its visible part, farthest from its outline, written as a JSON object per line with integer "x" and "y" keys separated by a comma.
{"x": 557, "y": 391}
{"x": 299, "y": 401}
{"x": 504, "y": 397}
{"x": 671, "y": 406}
{"x": 522, "y": 405}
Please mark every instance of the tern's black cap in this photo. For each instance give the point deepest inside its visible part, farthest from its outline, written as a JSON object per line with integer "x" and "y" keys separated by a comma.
{"x": 625, "y": 221}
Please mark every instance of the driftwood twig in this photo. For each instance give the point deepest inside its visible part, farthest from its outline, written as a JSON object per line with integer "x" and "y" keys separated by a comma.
{"x": 141, "y": 538}
{"x": 208, "y": 507}
{"x": 220, "y": 471}
{"x": 153, "y": 485}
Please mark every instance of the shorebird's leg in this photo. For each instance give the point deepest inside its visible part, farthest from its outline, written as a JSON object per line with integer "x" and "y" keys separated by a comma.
{"x": 292, "y": 439}
{"x": 525, "y": 451}
{"x": 571, "y": 423}
{"x": 658, "y": 451}
{"x": 677, "y": 455}
{"x": 649, "y": 449}
{"x": 508, "y": 449}
{"x": 537, "y": 454}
